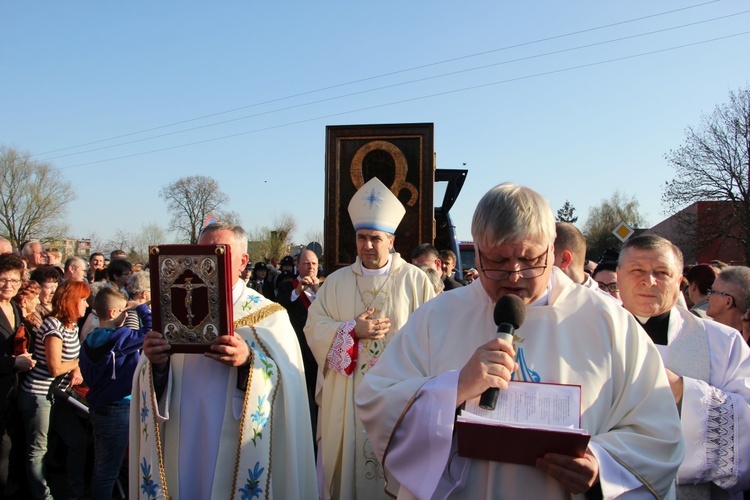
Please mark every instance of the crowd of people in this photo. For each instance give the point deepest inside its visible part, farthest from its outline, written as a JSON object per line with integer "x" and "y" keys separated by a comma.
{"x": 348, "y": 385}
{"x": 62, "y": 322}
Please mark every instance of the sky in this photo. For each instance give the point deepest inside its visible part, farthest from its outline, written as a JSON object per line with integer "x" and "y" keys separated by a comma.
{"x": 575, "y": 99}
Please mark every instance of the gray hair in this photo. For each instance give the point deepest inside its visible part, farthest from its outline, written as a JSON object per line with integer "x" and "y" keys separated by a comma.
{"x": 509, "y": 212}
{"x": 652, "y": 242}
{"x": 95, "y": 288}
{"x": 739, "y": 278}
{"x": 240, "y": 236}
{"x": 138, "y": 283}
{"x": 27, "y": 250}
{"x": 435, "y": 279}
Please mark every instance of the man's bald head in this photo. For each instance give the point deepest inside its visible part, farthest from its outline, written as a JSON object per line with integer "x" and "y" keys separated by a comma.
{"x": 307, "y": 264}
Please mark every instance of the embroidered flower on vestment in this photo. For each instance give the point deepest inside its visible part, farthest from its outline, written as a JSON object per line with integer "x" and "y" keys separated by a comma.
{"x": 144, "y": 409}
{"x": 148, "y": 486}
{"x": 267, "y": 365}
{"x": 252, "y": 488}
{"x": 260, "y": 417}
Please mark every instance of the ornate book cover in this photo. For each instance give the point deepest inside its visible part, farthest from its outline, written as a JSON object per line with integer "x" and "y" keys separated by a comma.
{"x": 191, "y": 294}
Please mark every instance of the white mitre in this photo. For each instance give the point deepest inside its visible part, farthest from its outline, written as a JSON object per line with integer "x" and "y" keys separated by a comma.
{"x": 374, "y": 206}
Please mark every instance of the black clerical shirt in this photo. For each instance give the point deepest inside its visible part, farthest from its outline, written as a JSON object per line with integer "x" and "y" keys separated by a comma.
{"x": 657, "y": 328}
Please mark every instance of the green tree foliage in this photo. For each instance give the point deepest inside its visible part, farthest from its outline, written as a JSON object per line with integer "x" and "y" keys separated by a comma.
{"x": 603, "y": 219}
{"x": 567, "y": 213}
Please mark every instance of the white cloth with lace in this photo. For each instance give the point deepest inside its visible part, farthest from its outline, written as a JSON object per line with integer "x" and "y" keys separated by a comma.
{"x": 715, "y": 411}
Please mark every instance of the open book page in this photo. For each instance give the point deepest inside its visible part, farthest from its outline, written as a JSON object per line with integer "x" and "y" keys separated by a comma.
{"x": 531, "y": 405}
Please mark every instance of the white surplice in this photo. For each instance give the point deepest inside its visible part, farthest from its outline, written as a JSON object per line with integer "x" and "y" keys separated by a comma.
{"x": 407, "y": 402}
{"x": 201, "y": 410}
{"x": 715, "y": 408}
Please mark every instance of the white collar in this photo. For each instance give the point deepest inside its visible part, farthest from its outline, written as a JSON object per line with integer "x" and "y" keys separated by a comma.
{"x": 382, "y": 271}
{"x": 544, "y": 299}
{"x": 237, "y": 290}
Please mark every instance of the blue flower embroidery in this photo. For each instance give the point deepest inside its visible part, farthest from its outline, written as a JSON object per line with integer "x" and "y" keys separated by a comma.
{"x": 144, "y": 410}
{"x": 251, "y": 489}
{"x": 148, "y": 486}
{"x": 260, "y": 416}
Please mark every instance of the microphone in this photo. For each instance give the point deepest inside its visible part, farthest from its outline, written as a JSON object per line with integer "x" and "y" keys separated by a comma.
{"x": 509, "y": 314}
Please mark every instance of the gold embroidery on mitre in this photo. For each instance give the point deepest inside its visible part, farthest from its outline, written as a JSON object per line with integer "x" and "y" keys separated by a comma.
{"x": 258, "y": 315}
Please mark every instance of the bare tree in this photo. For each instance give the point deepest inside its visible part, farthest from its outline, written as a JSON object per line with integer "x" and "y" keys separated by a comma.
{"x": 268, "y": 243}
{"x": 313, "y": 235}
{"x": 192, "y": 199}
{"x": 602, "y": 220}
{"x": 149, "y": 234}
{"x": 121, "y": 240}
{"x": 97, "y": 244}
{"x": 33, "y": 198}
{"x": 714, "y": 165}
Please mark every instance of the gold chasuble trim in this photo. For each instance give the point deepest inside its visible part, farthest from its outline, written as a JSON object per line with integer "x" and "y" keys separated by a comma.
{"x": 257, "y": 316}
{"x": 248, "y": 321}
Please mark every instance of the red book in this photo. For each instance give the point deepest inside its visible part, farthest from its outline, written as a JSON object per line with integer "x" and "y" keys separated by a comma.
{"x": 530, "y": 419}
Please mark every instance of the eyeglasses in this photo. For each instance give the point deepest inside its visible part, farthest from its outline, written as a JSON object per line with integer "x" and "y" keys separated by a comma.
{"x": 608, "y": 287}
{"x": 711, "y": 291}
{"x": 5, "y": 281}
{"x": 502, "y": 274}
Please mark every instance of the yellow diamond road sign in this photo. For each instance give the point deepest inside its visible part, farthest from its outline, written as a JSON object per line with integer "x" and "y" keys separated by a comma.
{"x": 623, "y": 231}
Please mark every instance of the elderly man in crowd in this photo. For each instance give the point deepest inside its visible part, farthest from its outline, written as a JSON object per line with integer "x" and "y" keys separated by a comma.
{"x": 357, "y": 312}
{"x": 707, "y": 364}
{"x": 34, "y": 255}
{"x": 729, "y": 298}
{"x": 449, "y": 353}
{"x": 225, "y": 415}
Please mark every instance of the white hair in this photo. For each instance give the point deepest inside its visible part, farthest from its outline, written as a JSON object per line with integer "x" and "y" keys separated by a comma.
{"x": 509, "y": 212}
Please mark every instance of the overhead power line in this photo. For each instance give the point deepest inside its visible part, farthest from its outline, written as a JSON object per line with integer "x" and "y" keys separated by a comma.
{"x": 399, "y": 84}
{"x": 413, "y": 99}
{"x": 382, "y": 75}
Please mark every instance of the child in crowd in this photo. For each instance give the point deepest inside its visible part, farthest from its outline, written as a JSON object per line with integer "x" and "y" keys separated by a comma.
{"x": 109, "y": 357}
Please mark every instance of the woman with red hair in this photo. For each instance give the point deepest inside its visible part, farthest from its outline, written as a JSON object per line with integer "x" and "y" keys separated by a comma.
{"x": 56, "y": 352}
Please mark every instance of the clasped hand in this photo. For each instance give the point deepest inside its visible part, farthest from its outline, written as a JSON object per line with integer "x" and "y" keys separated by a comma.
{"x": 367, "y": 327}
{"x": 311, "y": 282}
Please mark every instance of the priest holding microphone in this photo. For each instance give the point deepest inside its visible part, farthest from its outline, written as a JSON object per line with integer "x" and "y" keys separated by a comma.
{"x": 449, "y": 352}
